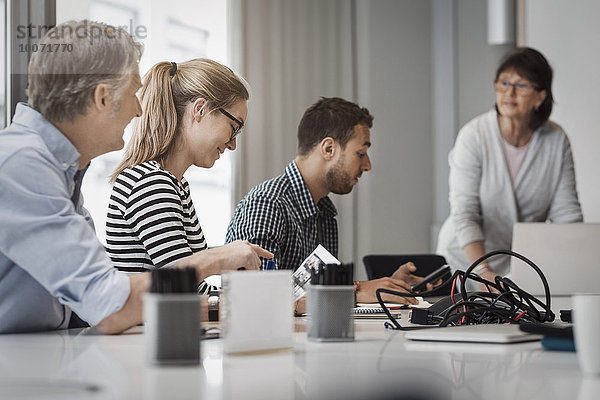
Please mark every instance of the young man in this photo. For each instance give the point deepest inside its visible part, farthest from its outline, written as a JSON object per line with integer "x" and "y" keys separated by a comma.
{"x": 291, "y": 214}
{"x": 51, "y": 262}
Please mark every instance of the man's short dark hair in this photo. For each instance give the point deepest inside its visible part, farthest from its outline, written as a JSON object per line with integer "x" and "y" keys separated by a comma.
{"x": 330, "y": 117}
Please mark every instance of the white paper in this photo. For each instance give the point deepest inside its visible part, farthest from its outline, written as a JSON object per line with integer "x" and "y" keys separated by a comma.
{"x": 301, "y": 277}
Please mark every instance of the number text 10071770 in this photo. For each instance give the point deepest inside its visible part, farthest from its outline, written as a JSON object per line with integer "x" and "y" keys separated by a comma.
{"x": 46, "y": 48}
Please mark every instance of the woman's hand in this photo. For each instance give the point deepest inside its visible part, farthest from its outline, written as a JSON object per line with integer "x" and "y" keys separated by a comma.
{"x": 486, "y": 273}
{"x": 239, "y": 254}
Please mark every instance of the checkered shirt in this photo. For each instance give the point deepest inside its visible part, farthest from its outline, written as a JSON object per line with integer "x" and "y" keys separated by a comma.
{"x": 280, "y": 215}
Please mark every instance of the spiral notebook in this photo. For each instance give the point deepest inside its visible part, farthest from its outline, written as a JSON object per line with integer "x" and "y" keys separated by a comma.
{"x": 375, "y": 311}
{"x": 376, "y": 314}
{"x": 366, "y": 308}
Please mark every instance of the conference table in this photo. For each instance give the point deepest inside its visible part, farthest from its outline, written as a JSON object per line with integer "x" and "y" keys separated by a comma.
{"x": 379, "y": 364}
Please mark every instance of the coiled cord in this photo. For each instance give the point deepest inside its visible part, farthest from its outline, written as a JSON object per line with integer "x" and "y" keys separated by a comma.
{"x": 511, "y": 303}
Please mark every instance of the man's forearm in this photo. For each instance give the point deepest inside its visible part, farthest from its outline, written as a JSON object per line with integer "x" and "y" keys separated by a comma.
{"x": 131, "y": 313}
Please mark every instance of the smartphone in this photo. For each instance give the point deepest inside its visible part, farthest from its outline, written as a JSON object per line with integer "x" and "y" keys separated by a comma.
{"x": 431, "y": 278}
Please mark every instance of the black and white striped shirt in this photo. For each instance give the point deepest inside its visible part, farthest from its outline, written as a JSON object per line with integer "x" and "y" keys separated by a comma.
{"x": 280, "y": 215}
{"x": 151, "y": 221}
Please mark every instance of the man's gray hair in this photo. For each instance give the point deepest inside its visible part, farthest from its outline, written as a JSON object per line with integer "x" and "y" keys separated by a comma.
{"x": 75, "y": 57}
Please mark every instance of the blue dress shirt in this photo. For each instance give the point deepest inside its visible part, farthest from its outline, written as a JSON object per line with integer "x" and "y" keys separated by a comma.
{"x": 51, "y": 261}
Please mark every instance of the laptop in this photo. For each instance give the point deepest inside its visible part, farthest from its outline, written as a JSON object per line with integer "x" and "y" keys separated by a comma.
{"x": 488, "y": 333}
{"x": 567, "y": 254}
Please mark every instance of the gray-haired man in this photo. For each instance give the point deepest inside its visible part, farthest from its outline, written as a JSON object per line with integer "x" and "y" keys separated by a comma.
{"x": 51, "y": 262}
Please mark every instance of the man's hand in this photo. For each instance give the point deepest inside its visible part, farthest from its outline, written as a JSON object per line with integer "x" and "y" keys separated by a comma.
{"x": 131, "y": 312}
{"x": 405, "y": 273}
{"x": 300, "y": 306}
{"x": 365, "y": 293}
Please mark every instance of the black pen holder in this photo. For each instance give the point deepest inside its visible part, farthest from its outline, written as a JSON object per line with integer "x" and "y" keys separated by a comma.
{"x": 329, "y": 304}
{"x": 329, "y": 311}
{"x": 172, "y": 315}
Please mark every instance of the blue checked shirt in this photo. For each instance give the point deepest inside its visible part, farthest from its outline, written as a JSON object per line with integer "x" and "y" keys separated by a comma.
{"x": 51, "y": 261}
{"x": 280, "y": 215}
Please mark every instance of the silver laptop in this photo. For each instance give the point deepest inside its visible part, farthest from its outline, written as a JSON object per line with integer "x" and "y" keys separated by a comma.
{"x": 489, "y": 333}
{"x": 567, "y": 254}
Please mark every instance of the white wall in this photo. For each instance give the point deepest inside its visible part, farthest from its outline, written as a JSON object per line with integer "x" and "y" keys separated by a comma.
{"x": 568, "y": 33}
{"x": 395, "y": 199}
{"x": 476, "y": 61}
{"x": 291, "y": 53}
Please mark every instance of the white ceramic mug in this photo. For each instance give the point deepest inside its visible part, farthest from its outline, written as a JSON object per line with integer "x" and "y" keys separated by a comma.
{"x": 586, "y": 326}
{"x": 257, "y": 311}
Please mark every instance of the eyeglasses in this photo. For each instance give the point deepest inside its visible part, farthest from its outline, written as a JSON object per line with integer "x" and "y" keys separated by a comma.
{"x": 521, "y": 88}
{"x": 238, "y": 130}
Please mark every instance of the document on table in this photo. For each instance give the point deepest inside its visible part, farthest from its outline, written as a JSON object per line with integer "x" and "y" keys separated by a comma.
{"x": 301, "y": 277}
{"x": 320, "y": 256}
{"x": 371, "y": 308}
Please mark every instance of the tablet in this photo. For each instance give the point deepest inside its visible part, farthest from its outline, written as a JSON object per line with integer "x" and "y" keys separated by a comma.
{"x": 488, "y": 333}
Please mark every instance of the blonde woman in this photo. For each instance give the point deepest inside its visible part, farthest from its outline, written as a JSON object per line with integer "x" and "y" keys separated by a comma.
{"x": 192, "y": 112}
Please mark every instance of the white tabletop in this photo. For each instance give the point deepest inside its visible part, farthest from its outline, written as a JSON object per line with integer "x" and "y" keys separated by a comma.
{"x": 379, "y": 364}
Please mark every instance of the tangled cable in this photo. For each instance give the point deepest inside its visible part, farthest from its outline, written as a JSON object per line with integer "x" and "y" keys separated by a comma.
{"x": 511, "y": 303}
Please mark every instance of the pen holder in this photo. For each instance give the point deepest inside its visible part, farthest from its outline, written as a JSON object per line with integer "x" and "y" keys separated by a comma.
{"x": 329, "y": 311}
{"x": 173, "y": 323}
{"x": 172, "y": 314}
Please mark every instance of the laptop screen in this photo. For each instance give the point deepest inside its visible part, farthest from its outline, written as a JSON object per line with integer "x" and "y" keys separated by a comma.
{"x": 567, "y": 254}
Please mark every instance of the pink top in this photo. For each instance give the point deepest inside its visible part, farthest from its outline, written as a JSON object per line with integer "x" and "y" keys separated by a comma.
{"x": 515, "y": 157}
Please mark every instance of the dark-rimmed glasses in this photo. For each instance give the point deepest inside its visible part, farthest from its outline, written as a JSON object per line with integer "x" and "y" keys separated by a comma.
{"x": 238, "y": 130}
{"x": 521, "y": 88}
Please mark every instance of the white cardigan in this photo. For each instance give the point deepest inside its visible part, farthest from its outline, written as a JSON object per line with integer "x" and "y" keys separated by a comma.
{"x": 484, "y": 203}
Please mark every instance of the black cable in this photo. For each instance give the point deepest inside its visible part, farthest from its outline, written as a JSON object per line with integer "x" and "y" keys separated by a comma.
{"x": 509, "y": 304}
{"x": 394, "y": 324}
{"x": 548, "y": 313}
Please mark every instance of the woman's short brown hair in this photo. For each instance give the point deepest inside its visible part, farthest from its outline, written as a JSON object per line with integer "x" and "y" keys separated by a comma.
{"x": 533, "y": 66}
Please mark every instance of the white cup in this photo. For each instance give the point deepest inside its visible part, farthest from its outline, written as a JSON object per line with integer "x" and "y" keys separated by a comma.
{"x": 586, "y": 326}
{"x": 257, "y": 311}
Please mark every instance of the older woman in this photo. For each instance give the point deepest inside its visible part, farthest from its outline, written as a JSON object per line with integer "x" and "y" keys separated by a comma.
{"x": 511, "y": 164}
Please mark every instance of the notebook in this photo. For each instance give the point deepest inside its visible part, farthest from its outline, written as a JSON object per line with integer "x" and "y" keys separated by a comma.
{"x": 566, "y": 254}
{"x": 488, "y": 333}
{"x": 374, "y": 311}
{"x": 373, "y": 308}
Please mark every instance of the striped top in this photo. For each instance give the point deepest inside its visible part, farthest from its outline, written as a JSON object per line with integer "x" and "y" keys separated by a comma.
{"x": 151, "y": 221}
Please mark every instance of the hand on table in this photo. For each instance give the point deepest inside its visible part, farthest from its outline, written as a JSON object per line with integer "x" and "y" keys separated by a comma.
{"x": 365, "y": 293}
{"x": 300, "y": 306}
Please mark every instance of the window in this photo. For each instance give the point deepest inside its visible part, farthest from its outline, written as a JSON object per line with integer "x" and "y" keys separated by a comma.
{"x": 175, "y": 30}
